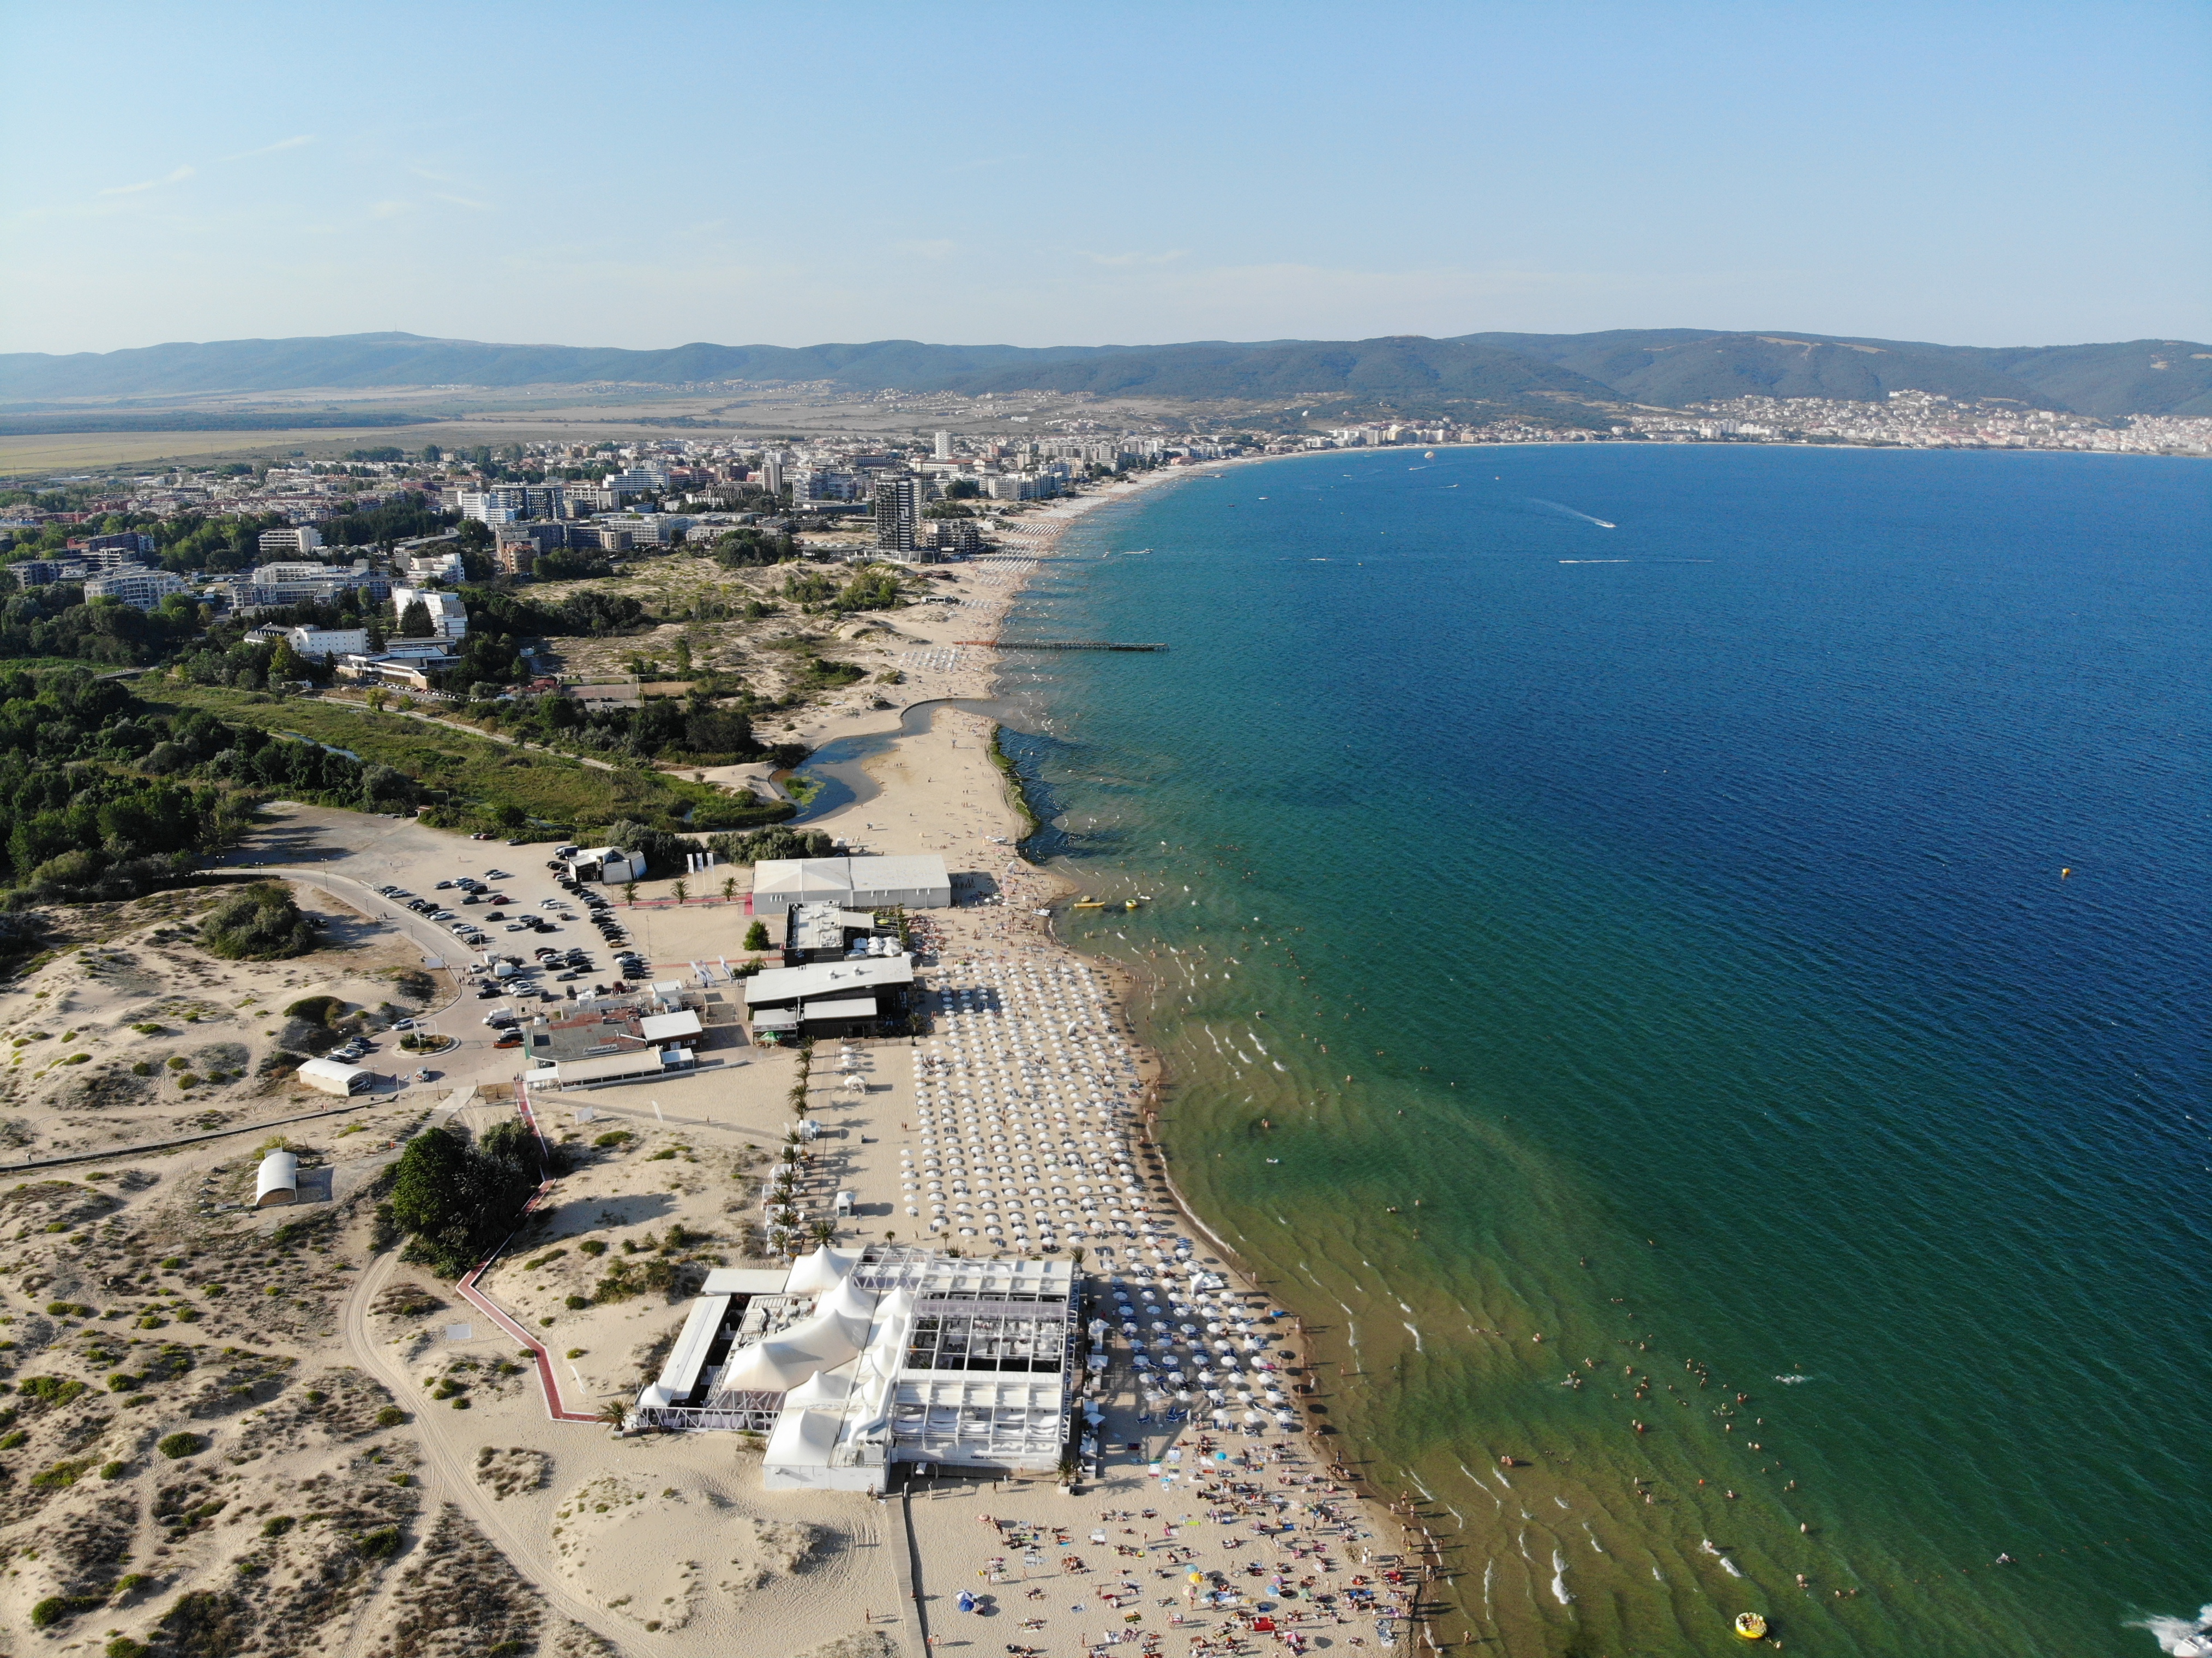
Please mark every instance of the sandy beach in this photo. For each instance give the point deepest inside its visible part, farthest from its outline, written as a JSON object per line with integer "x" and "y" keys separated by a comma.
{"x": 358, "y": 1398}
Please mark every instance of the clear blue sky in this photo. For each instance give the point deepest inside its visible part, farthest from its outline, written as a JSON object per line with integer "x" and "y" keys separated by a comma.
{"x": 644, "y": 175}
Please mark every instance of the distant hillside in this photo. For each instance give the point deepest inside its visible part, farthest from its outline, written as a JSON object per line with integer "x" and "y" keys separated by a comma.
{"x": 1679, "y": 365}
{"x": 1667, "y": 367}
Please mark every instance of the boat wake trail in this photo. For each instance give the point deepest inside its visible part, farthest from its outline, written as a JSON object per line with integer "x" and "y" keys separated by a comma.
{"x": 2179, "y": 1636}
{"x": 1557, "y": 506}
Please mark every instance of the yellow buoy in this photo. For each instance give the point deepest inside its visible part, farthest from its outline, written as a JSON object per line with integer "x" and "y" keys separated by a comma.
{"x": 1750, "y": 1625}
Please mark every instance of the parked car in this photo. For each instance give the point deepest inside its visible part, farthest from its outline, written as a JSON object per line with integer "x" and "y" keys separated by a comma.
{"x": 426, "y": 1075}
{"x": 511, "y": 1039}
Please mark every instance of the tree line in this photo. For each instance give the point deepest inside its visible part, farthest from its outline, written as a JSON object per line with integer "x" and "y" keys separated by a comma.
{"x": 106, "y": 798}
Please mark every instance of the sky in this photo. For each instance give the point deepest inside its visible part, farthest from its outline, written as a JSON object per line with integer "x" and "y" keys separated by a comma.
{"x": 655, "y": 174}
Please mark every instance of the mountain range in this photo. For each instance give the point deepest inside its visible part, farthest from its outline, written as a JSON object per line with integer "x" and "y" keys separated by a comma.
{"x": 1669, "y": 367}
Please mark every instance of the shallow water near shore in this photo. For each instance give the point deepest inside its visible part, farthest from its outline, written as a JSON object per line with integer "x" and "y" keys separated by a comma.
{"x": 1614, "y": 894}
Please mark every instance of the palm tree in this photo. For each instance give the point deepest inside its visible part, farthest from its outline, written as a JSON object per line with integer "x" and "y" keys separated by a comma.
{"x": 614, "y": 1413}
{"x": 823, "y": 1230}
{"x": 729, "y": 889}
{"x": 630, "y": 892}
{"x": 681, "y": 892}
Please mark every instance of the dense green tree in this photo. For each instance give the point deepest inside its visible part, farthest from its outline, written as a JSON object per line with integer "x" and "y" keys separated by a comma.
{"x": 457, "y": 1201}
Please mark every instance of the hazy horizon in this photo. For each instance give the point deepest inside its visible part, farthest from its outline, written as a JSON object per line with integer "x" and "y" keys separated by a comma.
{"x": 1968, "y": 175}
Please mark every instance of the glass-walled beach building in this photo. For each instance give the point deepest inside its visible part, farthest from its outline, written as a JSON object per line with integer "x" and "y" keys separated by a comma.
{"x": 854, "y": 1361}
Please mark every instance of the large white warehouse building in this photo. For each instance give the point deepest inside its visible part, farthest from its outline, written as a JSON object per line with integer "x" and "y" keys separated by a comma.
{"x": 916, "y": 883}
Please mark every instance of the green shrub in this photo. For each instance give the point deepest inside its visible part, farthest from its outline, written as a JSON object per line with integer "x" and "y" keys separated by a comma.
{"x": 52, "y": 1389}
{"x": 391, "y": 1417}
{"x": 593, "y": 1246}
{"x": 259, "y": 923}
{"x": 380, "y": 1544}
{"x": 617, "y": 1137}
{"x": 176, "y": 1445}
{"x": 277, "y": 1524}
{"x": 124, "y": 1647}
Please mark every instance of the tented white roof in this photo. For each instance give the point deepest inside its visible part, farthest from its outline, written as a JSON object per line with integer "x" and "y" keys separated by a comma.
{"x": 832, "y": 1334}
{"x": 823, "y": 1270}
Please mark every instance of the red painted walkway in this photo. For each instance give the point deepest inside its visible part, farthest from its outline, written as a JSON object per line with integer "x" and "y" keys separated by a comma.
{"x": 498, "y": 1315}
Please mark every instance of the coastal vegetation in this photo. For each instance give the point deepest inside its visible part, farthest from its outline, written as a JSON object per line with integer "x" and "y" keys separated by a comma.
{"x": 454, "y": 1198}
{"x": 261, "y": 923}
{"x": 465, "y": 779}
{"x": 1016, "y": 788}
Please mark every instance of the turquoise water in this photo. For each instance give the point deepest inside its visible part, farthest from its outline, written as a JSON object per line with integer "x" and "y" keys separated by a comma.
{"x": 1665, "y": 844}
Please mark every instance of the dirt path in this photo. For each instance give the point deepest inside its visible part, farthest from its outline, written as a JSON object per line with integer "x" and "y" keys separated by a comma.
{"x": 447, "y": 1478}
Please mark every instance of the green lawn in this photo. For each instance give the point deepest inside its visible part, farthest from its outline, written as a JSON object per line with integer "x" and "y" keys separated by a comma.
{"x": 477, "y": 774}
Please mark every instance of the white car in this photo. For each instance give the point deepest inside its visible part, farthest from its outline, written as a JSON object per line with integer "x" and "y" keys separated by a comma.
{"x": 403, "y": 1025}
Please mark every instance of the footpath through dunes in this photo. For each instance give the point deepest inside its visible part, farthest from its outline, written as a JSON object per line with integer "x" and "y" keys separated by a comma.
{"x": 1670, "y": 961}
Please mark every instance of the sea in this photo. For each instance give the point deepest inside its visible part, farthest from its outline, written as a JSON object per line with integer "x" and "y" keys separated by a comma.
{"x": 1687, "y": 967}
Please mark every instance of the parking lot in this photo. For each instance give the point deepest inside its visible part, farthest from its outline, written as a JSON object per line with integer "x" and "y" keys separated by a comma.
{"x": 521, "y": 938}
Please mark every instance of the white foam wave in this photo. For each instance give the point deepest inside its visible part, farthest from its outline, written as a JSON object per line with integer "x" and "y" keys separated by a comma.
{"x": 1730, "y": 1567}
{"x": 1792, "y": 1381}
{"x": 2179, "y": 1636}
{"x": 1416, "y": 1335}
{"x": 1559, "y": 1579}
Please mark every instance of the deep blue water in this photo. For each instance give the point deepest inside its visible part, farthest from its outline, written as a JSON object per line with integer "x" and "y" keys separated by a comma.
{"x": 1680, "y": 904}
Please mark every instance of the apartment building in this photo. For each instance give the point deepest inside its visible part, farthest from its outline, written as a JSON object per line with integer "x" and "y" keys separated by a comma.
{"x": 297, "y": 539}
{"x": 140, "y": 588}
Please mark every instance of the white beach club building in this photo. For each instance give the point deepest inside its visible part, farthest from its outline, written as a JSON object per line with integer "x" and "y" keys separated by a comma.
{"x": 915, "y": 882}
{"x": 854, "y": 1360}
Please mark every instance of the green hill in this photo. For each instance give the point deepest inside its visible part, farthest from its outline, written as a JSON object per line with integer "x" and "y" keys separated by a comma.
{"x": 1670, "y": 366}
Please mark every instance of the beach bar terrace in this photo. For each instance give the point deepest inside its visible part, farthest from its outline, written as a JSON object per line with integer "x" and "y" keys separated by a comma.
{"x": 854, "y": 1361}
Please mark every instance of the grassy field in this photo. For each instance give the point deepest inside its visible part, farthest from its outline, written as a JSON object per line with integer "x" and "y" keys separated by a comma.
{"x": 64, "y": 452}
{"x": 478, "y": 775}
